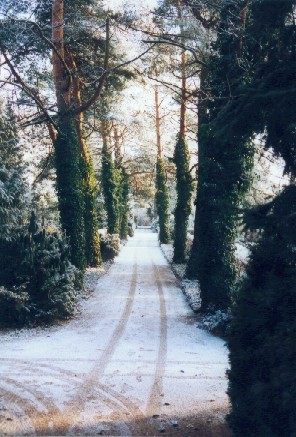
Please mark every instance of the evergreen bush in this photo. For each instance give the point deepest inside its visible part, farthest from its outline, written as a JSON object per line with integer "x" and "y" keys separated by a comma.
{"x": 110, "y": 245}
{"x": 39, "y": 284}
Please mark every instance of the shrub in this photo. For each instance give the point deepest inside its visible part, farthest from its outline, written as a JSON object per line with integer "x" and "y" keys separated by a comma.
{"x": 38, "y": 282}
{"x": 14, "y": 307}
{"x": 110, "y": 244}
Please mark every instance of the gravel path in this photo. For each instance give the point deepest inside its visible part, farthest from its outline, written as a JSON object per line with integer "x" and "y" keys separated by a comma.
{"x": 132, "y": 363}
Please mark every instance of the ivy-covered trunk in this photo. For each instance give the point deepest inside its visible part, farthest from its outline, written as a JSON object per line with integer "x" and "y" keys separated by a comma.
{"x": 184, "y": 192}
{"x": 162, "y": 201}
{"x": 70, "y": 189}
{"x": 123, "y": 202}
{"x": 110, "y": 187}
{"x": 92, "y": 237}
{"x": 224, "y": 164}
{"x": 76, "y": 184}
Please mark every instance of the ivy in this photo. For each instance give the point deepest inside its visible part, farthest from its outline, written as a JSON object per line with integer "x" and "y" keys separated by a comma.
{"x": 123, "y": 202}
{"x": 109, "y": 185}
{"x": 262, "y": 337}
{"x": 184, "y": 193}
{"x": 71, "y": 190}
{"x": 162, "y": 201}
{"x": 92, "y": 238}
{"x": 224, "y": 170}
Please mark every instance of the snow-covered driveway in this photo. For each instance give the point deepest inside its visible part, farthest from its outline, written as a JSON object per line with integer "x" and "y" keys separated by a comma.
{"x": 132, "y": 363}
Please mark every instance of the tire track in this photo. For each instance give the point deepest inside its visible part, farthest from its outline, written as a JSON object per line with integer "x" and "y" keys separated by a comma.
{"x": 92, "y": 382}
{"x": 63, "y": 421}
{"x": 41, "y": 419}
{"x": 154, "y": 402}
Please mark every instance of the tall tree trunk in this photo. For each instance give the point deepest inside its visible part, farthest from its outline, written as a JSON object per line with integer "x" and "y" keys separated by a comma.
{"x": 92, "y": 238}
{"x": 182, "y": 162}
{"x": 183, "y": 179}
{"x": 183, "y": 97}
{"x": 67, "y": 147}
{"x": 224, "y": 163}
{"x": 60, "y": 77}
{"x": 162, "y": 194}
{"x": 157, "y": 122}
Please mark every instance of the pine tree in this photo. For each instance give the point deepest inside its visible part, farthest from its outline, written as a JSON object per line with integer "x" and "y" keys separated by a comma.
{"x": 162, "y": 201}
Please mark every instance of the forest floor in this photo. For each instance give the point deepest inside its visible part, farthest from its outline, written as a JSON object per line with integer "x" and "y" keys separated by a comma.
{"x": 131, "y": 363}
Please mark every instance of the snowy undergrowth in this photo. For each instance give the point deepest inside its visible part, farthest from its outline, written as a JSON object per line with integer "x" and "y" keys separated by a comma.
{"x": 216, "y": 322}
{"x": 93, "y": 274}
{"x": 189, "y": 287}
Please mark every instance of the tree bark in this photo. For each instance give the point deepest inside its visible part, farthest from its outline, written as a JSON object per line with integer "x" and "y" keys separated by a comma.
{"x": 157, "y": 122}
{"x": 60, "y": 76}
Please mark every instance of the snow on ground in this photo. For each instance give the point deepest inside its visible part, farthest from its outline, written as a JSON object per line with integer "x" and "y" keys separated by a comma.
{"x": 131, "y": 363}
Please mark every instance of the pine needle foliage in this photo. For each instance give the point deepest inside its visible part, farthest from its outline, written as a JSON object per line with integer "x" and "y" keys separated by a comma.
{"x": 162, "y": 201}
{"x": 184, "y": 192}
{"x": 13, "y": 188}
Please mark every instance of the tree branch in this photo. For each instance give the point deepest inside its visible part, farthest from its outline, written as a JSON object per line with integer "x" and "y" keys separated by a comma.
{"x": 39, "y": 32}
{"x": 85, "y": 106}
{"x": 28, "y": 90}
{"x": 177, "y": 44}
